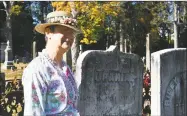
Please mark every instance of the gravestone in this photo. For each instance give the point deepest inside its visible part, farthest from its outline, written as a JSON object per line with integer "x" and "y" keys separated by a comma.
{"x": 169, "y": 82}
{"x": 8, "y": 57}
{"x": 17, "y": 61}
{"x": 110, "y": 83}
{"x": 24, "y": 60}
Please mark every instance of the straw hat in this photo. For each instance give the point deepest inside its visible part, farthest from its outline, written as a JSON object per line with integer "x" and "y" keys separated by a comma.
{"x": 58, "y": 18}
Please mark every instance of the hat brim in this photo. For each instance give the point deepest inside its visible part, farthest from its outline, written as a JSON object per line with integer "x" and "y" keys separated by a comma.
{"x": 41, "y": 27}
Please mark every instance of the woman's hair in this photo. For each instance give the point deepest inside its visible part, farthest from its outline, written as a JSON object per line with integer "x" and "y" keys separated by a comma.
{"x": 50, "y": 29}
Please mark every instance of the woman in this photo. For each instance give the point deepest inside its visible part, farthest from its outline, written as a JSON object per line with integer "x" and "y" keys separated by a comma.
{"x": 49, "y": 85}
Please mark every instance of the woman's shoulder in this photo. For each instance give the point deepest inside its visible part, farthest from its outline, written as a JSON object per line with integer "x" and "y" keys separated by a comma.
{"x": 35, "y": 68}
{"x": 35, "y": 65}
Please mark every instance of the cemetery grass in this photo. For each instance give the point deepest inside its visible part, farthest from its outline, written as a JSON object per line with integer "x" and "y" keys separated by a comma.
{"x": 17, "y": 73}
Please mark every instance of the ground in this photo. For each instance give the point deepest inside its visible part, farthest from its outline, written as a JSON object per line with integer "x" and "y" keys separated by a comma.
{"x": 9, "y": 74}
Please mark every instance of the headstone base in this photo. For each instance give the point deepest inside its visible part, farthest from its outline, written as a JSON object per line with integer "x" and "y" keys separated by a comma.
{"x": 8, "y": 65}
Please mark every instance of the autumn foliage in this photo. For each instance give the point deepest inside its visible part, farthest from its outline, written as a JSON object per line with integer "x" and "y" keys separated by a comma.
{"x": 91, "y": 16}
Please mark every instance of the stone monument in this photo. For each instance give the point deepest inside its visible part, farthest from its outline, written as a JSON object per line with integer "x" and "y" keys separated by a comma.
{"x": 169, "y": 82}
{"x": 8, "y": 57}
{"x": 110, "y": 83}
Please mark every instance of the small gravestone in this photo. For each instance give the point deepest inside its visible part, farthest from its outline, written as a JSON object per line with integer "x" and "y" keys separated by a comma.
{"x": 24, "y": 60}
{"x": 17, "y": 61}
{"x": 13, "y": 68}
{"x": 16, "y": 57}
{"x": 169, "y": 82}
{"x": 110, "y": 83}
{"x": 8, "y": 57}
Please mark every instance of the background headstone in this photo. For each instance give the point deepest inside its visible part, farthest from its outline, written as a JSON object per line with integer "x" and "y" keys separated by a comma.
{"x": 17, "y": 61}
{"x": 24, "y": 60}
{"x": 169, "y": 82}
{"x": 110, "y": 83}
{"x": 8, "y": 57}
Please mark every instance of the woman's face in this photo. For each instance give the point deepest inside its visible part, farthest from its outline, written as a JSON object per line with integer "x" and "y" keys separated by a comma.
{"x": 62, "y": 37}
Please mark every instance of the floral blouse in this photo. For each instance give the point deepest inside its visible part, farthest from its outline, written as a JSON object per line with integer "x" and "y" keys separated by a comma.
{"x": 48, "y": 89}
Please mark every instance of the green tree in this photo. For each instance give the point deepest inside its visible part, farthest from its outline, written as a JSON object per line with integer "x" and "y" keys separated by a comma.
{"x": 22, "y": 28}
{"x": 91, "y": 17}
{"x": 2, "y": 21}
{"x": 141, "y": 18}
{"x": 25, "y": 15}
{"x": 182, "y": 23}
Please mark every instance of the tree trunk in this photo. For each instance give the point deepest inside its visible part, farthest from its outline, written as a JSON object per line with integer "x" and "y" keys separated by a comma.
{"x": 8, "y": 24}
{"x": 175, "y": 26}
{"x": 130, "y": 47}
{"x": 121, "y": 38}
{"x": 80, "y": 49}
{"x": 117, "y": 33}
{"x": 34, "y": 49}
{"x": 74, "y": 53}
{"x": 184, "y": 14}
{"x": 107, "y": 42}
{"x": 125, "y": 46}
{"x": 75, "y": 47}
{"x": 148, "y": 59}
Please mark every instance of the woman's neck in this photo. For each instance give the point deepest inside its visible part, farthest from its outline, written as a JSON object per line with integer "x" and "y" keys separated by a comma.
{"x": 55, "y": 54}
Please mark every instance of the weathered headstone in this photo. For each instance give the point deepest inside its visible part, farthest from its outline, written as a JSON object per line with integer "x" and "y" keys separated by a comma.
{"x": 8, "y": 57}
{"x": 169, "y": 82}
{"x": 110, "y": 83}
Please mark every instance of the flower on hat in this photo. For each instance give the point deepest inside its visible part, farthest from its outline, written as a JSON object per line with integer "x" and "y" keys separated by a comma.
{"x": 63, "y": 20}
{"x": 58, "y": 18}
{"x": 70, "y": 21}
